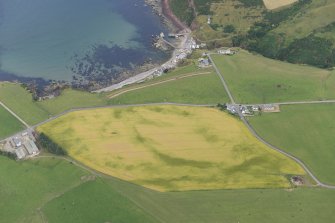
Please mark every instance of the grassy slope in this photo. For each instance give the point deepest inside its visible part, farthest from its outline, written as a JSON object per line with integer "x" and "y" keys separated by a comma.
{"x": 315, "y": 15}
{"x": 228, "y": 12}
{"x": 201, "y": 89}
{"x": 306, "y": 131}
{"x": 152, "y": 146}
{"x": 252, "y": 206}
{"x": 72, "y": 99}
{"x": 8, "y": 123}
{"x": 255, "y": 79}
{"x": 204, "y": 89}
{"x": 178, "y": 72}
{"x": 182, "y": 10}
{"x": 21, "y": 102}
{"x": 94, "y": 202}
{"x": 27, "y": 186}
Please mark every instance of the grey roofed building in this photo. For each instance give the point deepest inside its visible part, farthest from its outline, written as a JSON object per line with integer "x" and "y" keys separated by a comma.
{"x": 31, "y": 147}
{"x": 268, "y": 107}
{"x": 203, "y": 62}
{"x": 17, "y": 142}
{"x": 226, "y": 52}
{"x": 20, "y": 153}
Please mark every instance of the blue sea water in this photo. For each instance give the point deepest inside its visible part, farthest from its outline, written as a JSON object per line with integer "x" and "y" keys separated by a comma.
{"x": 56, "y": 39}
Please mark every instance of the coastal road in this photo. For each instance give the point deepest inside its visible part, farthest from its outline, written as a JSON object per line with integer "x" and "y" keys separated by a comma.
{"x": 252, "y": 130}
{"x": 184, "y": 44}
{"x": 157, "y": 83}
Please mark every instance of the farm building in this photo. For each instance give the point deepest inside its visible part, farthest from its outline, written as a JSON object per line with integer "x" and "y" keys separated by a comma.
{"x": 226, "y": 52}
{"x": 17, "y": 142}
{"x": 20, "y": 153}
{"x": 203, "y": 62}
{"x": 270, "y": 108}
{"x": 31, "y": 148}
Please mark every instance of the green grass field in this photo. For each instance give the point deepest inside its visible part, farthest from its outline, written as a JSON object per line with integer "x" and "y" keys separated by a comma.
{"x": 27, "y": 187}
{"x": 50, "y": 190}
{"x": 202, "y": 89}
{"x": 163, "y": 148}
{"x": 8, "y": 123}
{"x": 94, "y": 201}
{"x": 307, "y": 131}
{"x": 256, "y": 79}
{"x": 21, "y": 102}
{"x": 251, "y": 206}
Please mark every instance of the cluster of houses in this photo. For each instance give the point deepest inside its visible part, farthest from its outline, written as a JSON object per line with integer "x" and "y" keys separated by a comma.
{"x": 249, "y": 110}
{"x": 22, "y": 146}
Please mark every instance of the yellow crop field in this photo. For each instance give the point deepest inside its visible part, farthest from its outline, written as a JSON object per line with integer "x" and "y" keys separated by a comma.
{"x": 274, "y": 4}
{"x": 171, "y": 148}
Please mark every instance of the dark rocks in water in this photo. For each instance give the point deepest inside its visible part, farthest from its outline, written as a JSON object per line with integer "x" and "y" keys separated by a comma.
{"x": 6, "y": 76}
{"x": 38, "y": 87}
{"x": 104, "y": 65}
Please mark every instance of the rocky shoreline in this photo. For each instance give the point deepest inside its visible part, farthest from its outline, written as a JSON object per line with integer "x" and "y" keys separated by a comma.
{"x": 163, "y": 10}
{"x": 51, "y": 88}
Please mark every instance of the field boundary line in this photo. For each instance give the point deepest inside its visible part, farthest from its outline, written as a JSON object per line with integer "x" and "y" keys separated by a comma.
{"x": 111, "y": 96}
{"x": 14, "y": 114}
{"x": 99, "y": 175}
{"x": 255, "y": 134}
{"x": 120, "y": 106}
{"x": 31, "y": 128}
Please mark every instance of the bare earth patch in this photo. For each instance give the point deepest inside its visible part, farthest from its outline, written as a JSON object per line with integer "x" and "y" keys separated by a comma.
{"x": 274, "y": 4}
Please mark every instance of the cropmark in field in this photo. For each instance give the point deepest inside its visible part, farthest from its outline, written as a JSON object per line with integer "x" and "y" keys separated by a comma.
{"x": 171, "y": 148}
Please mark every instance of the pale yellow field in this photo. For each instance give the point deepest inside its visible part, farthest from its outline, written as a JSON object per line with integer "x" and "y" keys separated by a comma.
{"x": 274, "y": 4}
{"x": 171, "y": 148}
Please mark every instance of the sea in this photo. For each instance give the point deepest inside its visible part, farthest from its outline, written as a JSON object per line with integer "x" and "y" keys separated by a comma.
{"x": 67, "y": 39}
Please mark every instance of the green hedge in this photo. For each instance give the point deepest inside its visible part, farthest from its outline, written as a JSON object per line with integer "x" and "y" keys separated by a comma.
{"x": 49, "y": 145}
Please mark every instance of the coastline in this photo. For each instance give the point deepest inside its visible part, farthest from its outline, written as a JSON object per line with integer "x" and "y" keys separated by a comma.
{"x": 167, "y": 12}
{"x": 183, "y": 49}
{"x": 147, "y": 70}
{"x": 163, "y": 9}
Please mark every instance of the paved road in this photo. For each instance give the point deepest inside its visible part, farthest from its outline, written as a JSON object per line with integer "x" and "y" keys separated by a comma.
{"x": 14, "y": 114}
{"x": 298, "y": 102}
{"x": 252, "y": 130}
{"x": 120, "y": 106}
{"x": 184, "y": 44}
{"x": 225, "y": 85}
{"x": 306, "y": 102}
